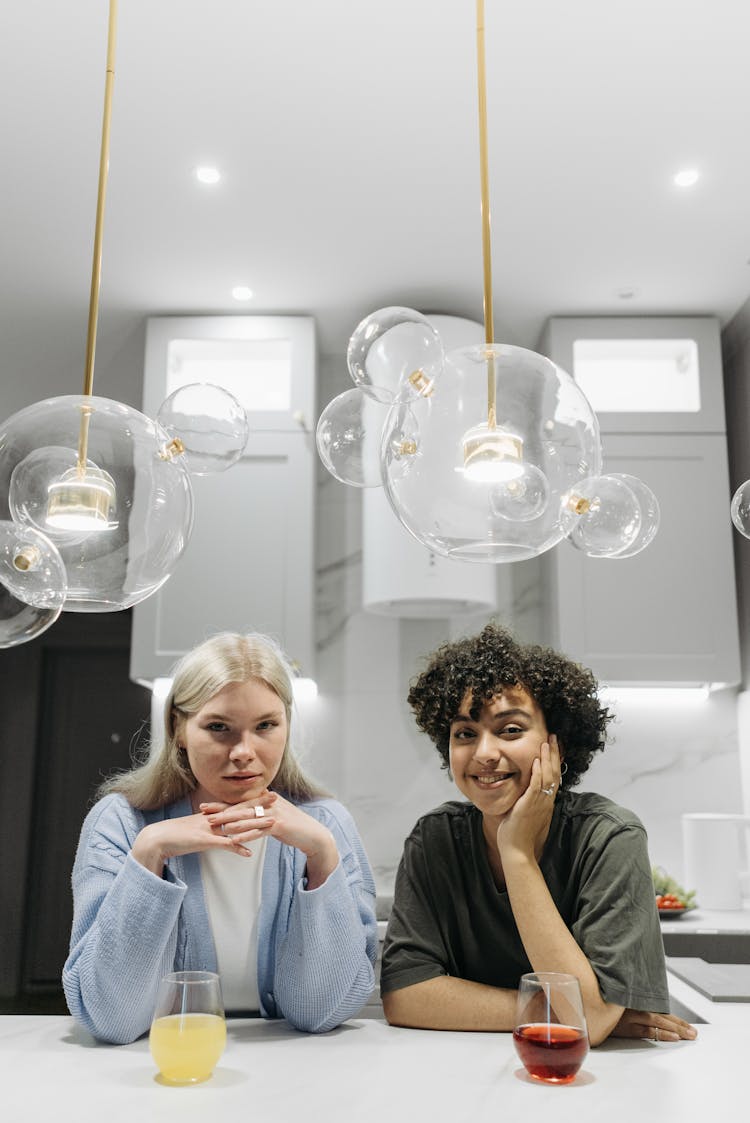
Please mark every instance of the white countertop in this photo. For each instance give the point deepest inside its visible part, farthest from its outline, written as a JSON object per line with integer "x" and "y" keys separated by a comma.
{"x": 709, "y": 920}
{"x": 368, "y": 1072}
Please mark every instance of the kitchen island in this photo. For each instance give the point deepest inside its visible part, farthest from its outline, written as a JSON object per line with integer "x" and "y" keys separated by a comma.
{"x": 368, "y": 1072}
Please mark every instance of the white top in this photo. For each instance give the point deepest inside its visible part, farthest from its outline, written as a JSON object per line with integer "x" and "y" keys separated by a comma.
{"x": 232, "y": 886}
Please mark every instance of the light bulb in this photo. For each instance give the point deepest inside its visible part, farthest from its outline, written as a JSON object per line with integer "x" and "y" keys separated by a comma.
{"x": 395, "y": 355}
{"x": 208, "y": 426}
{"x": 523, "y": 497}
{"x": 650, "y": 515}
{"x": 348, "y": 437}
{"x": 603, "y": 516}
{"x": 740, "y": 508}
{"x": 33, "y": 583}
{"x": 81, "y": 500}
{"x": 491, "y": 455}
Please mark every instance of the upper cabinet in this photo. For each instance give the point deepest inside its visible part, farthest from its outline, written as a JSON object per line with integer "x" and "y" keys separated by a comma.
{"x": 667, "y": 616}
{"x": 249, "y": 563}
{"x": 644, "y": 374}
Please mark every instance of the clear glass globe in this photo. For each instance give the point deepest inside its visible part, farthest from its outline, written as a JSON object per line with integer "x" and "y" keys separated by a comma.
{"x": 449, "y": 498}
{"x": 522, "y": 497}
{"x": 740, "y": 509}
{"x": 603, "y": 516}
{"x": 121, "y": 521}
{"x": 650, "y": 515}
{"x": 32, "y": 583}
{"x": 209, "y": 422}
{"x": 395, "y": 355}
{"x": 348, "y": 437}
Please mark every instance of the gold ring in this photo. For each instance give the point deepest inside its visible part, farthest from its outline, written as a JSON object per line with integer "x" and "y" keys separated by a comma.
{"x": 656, "y": 1033}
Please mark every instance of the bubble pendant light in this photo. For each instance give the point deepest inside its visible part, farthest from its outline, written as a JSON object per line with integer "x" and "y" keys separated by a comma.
{"x": 105, "y": 486}
{"x": 482, "y": 455}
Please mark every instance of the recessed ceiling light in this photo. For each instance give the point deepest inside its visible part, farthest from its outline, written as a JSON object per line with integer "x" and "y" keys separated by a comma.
{"x": 206, "y": 174}
{"x": 242, "y": 292}
{"x": 687, "y": 177}
{"x": 627, "y": 293}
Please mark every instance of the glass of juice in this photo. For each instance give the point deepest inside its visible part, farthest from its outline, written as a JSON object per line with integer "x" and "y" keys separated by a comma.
{"x": 188, "y": 1031}
{"x": 550, "y": 1033}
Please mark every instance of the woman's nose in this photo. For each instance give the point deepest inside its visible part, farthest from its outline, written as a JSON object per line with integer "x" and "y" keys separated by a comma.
{"x": 243, "y": 748}
{"x": 486, "y": 747}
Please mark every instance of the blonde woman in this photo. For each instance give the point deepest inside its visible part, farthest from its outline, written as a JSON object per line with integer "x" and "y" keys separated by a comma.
{"x": 219, "y": 853}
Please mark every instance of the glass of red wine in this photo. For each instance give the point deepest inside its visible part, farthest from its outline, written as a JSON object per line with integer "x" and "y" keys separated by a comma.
{"x": 550, "y": 1034}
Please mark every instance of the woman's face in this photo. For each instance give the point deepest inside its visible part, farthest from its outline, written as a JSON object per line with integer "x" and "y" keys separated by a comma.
{"x": 235, "y": 742}
{"x": 491, "y": 758}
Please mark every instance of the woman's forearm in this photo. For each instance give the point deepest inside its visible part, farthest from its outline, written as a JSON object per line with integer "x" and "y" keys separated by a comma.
{"x": 548, "y": 942}
{"x": 449, "y": 1003}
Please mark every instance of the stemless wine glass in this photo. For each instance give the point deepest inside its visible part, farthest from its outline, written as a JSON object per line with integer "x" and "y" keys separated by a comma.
{"x": 550, "y": 1034}
{"x": 188, "y": 1031}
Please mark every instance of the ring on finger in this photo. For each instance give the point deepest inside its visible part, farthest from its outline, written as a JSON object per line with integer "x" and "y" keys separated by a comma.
{"x": 549, "y": 791}
{"x": 656, "y": 1033}
{"x": 223, "y": 829}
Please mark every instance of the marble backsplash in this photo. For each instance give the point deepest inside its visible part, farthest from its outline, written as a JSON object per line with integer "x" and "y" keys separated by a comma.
{"x": 664, "y": 759}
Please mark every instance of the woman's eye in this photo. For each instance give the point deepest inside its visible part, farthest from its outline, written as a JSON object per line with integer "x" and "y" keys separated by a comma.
{"x": 462, "y": 734}
{"x": 216, "y": 727}
{"x": 514, "y": 730}
{"x": 267, "y": 725}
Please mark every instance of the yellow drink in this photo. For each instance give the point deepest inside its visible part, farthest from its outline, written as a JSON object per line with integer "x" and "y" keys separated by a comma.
{"x": 187, "y": 1046}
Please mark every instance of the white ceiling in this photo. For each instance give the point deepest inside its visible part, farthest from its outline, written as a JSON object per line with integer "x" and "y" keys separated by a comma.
{"x": 347, "y": 134}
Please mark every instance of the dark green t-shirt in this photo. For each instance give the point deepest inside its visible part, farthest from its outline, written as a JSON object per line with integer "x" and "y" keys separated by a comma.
{"x": 449, "y": 917}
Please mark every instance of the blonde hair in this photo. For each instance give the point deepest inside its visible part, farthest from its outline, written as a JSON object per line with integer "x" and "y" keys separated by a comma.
{"x": 165, "y": 775}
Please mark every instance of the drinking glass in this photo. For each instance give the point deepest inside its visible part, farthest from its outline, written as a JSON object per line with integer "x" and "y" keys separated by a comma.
{"x": 188, "y": 1031}
{"x": 550, "y": 1036}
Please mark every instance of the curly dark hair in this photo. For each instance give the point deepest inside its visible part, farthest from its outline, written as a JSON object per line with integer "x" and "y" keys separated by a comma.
{"x": 484, "y": 665}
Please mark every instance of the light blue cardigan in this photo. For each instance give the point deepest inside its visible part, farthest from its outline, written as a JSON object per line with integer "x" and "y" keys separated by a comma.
{"x": 316, "y": 948}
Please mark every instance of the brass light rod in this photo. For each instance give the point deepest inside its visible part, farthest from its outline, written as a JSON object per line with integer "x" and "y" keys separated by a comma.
{"x": 96, "y": 268}
{"x": 484, "y": 178}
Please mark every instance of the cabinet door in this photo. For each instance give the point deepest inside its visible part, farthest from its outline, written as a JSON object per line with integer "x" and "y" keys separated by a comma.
{"x": 667, "y": 615}
{"x": 268, "y": 362}
{"x": 664, "y": 372}
{"x": 248, "y": 565}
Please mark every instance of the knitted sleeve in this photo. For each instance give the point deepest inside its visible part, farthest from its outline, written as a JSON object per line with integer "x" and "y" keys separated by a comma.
{"x": 124, "y": 933}
{"x": 324, "y": 970}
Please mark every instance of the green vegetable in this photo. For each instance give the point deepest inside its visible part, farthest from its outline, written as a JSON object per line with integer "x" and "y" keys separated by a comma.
{"x": 663, "y": 883}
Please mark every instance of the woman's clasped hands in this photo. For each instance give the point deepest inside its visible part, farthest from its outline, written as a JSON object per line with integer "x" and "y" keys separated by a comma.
{"x": 270, "y": 814}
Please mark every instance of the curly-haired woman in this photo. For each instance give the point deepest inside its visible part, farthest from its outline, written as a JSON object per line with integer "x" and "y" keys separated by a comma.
{"x": 527, "y": 875}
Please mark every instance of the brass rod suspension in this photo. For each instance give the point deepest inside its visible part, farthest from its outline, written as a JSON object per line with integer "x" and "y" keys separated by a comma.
{"x": 96, "y": 267}
{"x": 484, "y": 179}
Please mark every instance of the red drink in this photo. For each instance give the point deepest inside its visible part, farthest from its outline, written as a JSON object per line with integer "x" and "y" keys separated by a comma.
{"x": 553, "y": 1053}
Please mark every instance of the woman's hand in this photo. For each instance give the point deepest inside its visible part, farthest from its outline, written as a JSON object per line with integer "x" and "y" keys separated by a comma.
{"x": 526, "y": 826}
{"x": 654, "y": 1027}
{"x": 187, "y": 835}
{"x": 286, "y": 822}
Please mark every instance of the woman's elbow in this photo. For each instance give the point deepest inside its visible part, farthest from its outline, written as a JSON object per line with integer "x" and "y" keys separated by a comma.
{"x": 396, "y": 1009}
{"x": 600, "y": 1023}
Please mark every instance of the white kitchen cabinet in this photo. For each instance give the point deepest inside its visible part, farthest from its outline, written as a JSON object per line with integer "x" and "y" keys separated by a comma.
{"x": 249, "y": 563}
{"x": 667, "y": 616}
